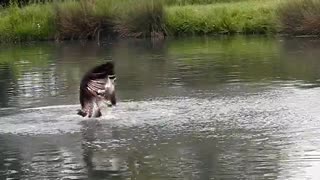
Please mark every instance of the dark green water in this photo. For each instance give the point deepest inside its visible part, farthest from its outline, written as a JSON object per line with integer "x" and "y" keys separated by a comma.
{"x": 194, "y": 108}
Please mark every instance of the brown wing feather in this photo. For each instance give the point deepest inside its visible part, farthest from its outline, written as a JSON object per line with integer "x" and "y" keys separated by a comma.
{"x": 95, "y": 85}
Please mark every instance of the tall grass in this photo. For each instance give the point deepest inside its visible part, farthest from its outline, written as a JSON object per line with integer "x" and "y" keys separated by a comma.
{"x": 75, "y": 20}
{"x": 84, "y": 19}
{"x": 225, "y": 18}
{"x": 300, "y": 17}
{"x": 142, "y": 18}
{"x": 34, "y": 22}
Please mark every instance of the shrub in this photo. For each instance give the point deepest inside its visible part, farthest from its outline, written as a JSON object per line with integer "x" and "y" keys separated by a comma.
{"x": 144, "y": 18}
{"x": 300, "y": 17}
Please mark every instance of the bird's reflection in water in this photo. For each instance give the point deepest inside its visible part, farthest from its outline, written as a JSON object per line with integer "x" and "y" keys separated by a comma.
{"x": 100, "y": 162}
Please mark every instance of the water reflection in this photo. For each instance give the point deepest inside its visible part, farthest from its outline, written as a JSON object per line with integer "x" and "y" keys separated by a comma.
{"x": 185, "y": 156}
{"x": 48, "y": 74}
{"x": 99, "y": 162}
{"x": 182, "y": 157}
{"x": 195, "y": 108}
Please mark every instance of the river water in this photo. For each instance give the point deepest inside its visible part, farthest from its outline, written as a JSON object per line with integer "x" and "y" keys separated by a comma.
{"x": 188, "y": 108}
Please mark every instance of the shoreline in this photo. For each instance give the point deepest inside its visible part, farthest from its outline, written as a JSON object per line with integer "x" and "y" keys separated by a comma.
{"x": 168, "y": 38}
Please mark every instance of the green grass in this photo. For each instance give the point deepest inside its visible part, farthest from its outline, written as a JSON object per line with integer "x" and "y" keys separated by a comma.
{"x": 34, "y": 22}
{"x": 252, "y": 17}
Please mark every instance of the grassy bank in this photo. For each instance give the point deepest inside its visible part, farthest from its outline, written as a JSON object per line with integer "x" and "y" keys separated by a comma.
{"x": 33, "y": 22}
{"x": 224, "y": 18}
{"x": 82, "y": 20}
{"x": 147, "y": 18}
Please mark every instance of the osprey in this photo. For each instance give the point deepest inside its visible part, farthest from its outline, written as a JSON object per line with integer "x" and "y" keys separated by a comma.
{"x": 97, "y": 85}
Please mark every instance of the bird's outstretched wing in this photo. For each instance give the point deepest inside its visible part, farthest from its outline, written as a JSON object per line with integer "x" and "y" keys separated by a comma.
{"x": 96, "y": 87}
